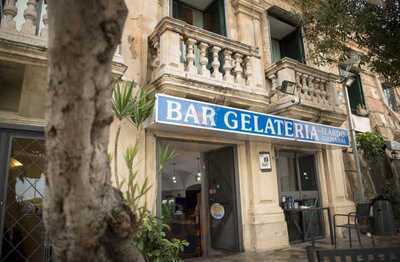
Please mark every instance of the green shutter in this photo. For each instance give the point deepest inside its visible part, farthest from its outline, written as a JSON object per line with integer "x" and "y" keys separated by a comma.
{"x": 356, "y": 95}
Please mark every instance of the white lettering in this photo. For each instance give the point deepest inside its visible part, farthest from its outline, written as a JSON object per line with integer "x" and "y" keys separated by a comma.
{"x": 314, "y": 134}
{"x": 233, "y": 124}
{"x": 288, "y": 128}
{"x": 208, "y": 116}
{"x": 191, "y": 113}
{"x": 269, "y": 127}
{"x": 307, "y": 132}
{"x": 279, "y": 123}
{"x": 174, "y": 110}
{"x": 256, "y": 126}
{"x": 299, "y": 130}
{"x": 245, "y": 122}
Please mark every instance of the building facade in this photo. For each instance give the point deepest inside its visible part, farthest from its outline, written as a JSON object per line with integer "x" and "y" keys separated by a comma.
{"x": 224, "y": 190}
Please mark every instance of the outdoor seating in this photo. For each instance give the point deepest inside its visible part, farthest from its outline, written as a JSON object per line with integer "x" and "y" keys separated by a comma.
{"x": 358, "y": 221}
{"x": 354, "y": 254}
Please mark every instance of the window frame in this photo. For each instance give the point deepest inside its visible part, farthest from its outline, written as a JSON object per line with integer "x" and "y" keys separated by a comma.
{"x": 223, "y": 25}
{"x": 284, "y": 16}
{"x": 391, "y": 101}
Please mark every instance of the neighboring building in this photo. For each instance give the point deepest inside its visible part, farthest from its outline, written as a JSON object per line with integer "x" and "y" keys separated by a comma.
{"x": 232, "y": 60}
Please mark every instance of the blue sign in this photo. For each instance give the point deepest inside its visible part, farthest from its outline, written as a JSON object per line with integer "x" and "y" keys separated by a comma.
{"x": 190, "y": 113}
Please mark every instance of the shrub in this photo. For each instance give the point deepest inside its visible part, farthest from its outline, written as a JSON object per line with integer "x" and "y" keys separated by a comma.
{"x": 151, "y": 240}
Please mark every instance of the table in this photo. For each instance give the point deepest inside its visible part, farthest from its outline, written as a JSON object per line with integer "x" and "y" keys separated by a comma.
{"x": 290, "y": 213}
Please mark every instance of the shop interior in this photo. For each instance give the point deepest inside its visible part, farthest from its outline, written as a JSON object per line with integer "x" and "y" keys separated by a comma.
{"x": 300, "y": 195}
{"x": 206, "y": 219}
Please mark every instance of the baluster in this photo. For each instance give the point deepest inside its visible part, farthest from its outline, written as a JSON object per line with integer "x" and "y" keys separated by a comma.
{"x": 203, "y": 59}
{"x": 215, "y": 63}
{"x": 324, "y": 92}
{"x": 190, "y": 66}
{"x": 10, "y": 11}
{"x": 238, "y": 68}
{"x": 311, "y": 90}
{"x": 155, "y": 55}
{"x": 299, "y": 83}
{"x": 318, "y": 91}
{"x": 30, "y": 15}
{"x": 248, "y": 72}
{"x": 274, "y": 80}
{"x": 327, "y": 90}
{"x": 45, "y": 30}
{"x": 305, "y": 88}
{"x": 228, "y": 65}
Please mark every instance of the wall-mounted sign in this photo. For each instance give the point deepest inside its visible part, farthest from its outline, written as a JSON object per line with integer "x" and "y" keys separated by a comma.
{"x": 190, "y": 113}
{"x": 265, "y": 161}
{"x": 217, "y": 211}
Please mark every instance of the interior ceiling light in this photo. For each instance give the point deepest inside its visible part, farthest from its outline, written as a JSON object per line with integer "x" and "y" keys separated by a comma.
{"x": 198, "y": 169}
{"x": 15, "y": 163}
{"x": 173, "y": 174}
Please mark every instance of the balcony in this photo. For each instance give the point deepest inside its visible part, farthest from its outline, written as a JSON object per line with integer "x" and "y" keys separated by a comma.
{"x": 24, "y": 31}
{"x": 312, "y": 94}
{"x": 191, "y": 62}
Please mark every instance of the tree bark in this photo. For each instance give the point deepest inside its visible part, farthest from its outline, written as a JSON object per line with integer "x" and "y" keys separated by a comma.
{"x": 85, "y": 217}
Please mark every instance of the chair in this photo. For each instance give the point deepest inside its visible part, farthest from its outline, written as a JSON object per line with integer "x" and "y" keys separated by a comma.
{"x": 359, "y": 221}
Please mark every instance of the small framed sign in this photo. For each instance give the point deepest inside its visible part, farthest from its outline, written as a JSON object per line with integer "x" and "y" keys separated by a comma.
{"x": 265, "y": 162}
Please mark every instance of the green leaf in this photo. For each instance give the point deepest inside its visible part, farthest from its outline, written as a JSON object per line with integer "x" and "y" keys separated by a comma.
{"x": 143, "y": 105}
{"x": 122, "y": 100}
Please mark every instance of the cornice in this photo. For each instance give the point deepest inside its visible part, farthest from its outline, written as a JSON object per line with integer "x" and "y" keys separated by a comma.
{"x": 24, "y": 51}
{"x": 255, "y": 9}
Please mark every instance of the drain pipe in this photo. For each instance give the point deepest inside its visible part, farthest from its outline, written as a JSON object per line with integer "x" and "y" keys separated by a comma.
{"x": 347, "y": 82}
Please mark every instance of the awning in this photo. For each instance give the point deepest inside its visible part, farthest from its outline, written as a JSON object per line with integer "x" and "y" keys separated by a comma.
{"x": 175, "y": 111}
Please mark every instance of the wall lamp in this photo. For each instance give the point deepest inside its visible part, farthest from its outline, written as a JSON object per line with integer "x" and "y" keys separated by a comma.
{"x": 287, "y": 87}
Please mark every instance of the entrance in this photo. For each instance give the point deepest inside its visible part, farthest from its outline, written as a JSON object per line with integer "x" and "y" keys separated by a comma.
{"x": 199, "y": 197}
{"x": 299, "y": 191}
{"x": 22, "y": 184}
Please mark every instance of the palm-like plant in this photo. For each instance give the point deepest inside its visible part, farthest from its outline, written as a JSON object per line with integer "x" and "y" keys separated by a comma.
{"x": 135, "y": 191}
{"x": 143, "y": 105}
{"x": 123, "y": 106}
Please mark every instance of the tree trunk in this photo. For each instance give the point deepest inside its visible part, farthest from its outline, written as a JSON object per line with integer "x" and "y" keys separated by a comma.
{"x": 85, "y": 217}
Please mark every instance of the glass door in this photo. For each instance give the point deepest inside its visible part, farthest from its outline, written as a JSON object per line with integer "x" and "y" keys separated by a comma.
{"x": 299, "y": 194}
{"x": 222, "y": 205}
{"x": 22, "y": 234}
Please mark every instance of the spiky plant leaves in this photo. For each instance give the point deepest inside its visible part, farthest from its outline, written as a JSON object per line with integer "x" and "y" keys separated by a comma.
{"x": 143, "y": 105}
{"x": 122, "y": 102}
{"x": 166, "y": 153}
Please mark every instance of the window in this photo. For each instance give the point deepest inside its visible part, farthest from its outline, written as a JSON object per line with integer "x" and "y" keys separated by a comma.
{"x": 390, "y": 97}
{"x": 356, "y": 96}
{"x": 208, "y": 14}
{"x": 286, "y": 39}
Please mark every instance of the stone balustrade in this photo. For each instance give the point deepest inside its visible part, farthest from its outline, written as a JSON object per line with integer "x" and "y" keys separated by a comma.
{"x": 27, "y": 17}
{"x": 25, "y": 23}
{"x": 313, "y": 87}
{"x": 194, "y": 54}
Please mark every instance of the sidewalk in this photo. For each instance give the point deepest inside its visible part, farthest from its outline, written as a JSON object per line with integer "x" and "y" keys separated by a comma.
{"x": 296, "y": 253}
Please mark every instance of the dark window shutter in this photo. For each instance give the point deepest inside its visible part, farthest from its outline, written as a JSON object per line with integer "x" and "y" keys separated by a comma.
{"x": 356, "y": 95}
{"x": 291, "y": 46}
{"x": 214, "y": 18}
{"x": 182, "y": 12}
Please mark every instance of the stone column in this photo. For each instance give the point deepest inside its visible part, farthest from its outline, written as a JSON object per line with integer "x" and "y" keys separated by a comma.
{"x": 265, "y": 226}
{"x": 34, "y": 92}
{"x": 249, "y": 17}
{"x": 335, "y": 193}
